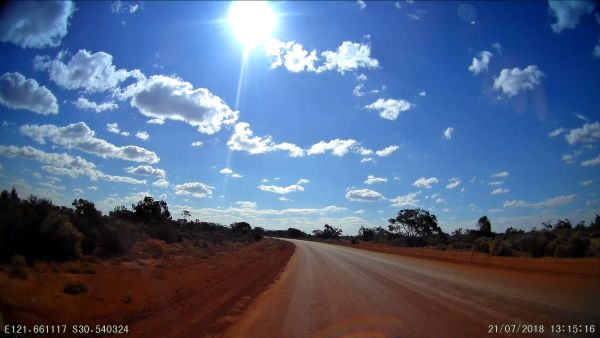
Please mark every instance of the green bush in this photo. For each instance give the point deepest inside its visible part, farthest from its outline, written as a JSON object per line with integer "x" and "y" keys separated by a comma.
{"x": 61, "y": 241}
{"x": 482, "y": 244}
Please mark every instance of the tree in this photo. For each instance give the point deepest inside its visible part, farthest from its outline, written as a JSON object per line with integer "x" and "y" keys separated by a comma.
{"x": 185, "y": 214}
{"x": 416, "y": 223}
{"x": 149, "y": 209}
{"x": 240, "y": 227}
{"x": 485, "y": 227}
{"x": 366, "y": 234}
{"x": 86, "y": 209}
{"x": 328, "y": 232}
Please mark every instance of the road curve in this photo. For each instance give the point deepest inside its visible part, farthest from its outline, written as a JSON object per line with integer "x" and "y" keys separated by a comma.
{"x": 333, "y": 291}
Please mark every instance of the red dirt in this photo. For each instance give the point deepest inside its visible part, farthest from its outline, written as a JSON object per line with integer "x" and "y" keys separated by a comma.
{"x": 180, "y": 294}
{"x": 584, "y": 266}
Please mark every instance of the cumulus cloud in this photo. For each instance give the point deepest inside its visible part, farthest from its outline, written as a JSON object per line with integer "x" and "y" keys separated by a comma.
{"x": 367, "y": 160}
{"x": 453, "y": 183}
{"x": 161, "y": 183}
{"x": 567, "y": 13}
{"x": 83, "y": 103}
{"x": 349, "y": 57}
{"x": 303, "y": 181}
{"x": 372, "y": 179}
{"x": 142, "y": 135}
{"x": 90, "y": 72}
{"x": 588, "y": 133}
{"x": 242, "y": 139}
{"x": 35, "y": 24}
{"x": 513, "y": 81}
{"x": 547, "y": 203}
{"x": 448, "y": 133}
{"x": 337, "y": 147}
{"x": 425, "y": 182}
{"x": 406, "y": 200}
{"x": 197, "y": 144}
{"x": 361, "y": 4}
{"x": 481, "y": 65}
{"x": 80, "y": 136}
{"x": 229, "y": 172}
{"x": 114, "y": 128}
{"x": 64, "y": 164}
{"x": 17, "y": 92}
{"x": 146, "y": 170}
{"x": 246, "y": 204}
{"x": 499, "y": 191}
{"x": 163, "y": 97}
{"x": 281, "y": 190}
{"x": 387, "y": 151}
{"x": 155, "y": 121}
{"x": 569, "y": 158}
{"x": 423, "y": 93}
{"x": 591, "y": 162}
{"x": 389, "y": 109}
{"x": 363, "y": 195}
{"x": 556, "y": 132}
{"x": 195, "y": 189}
{"x": 501, "y": 174}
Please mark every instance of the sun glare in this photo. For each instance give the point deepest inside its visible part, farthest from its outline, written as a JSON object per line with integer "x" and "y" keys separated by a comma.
{"x": 252, "y": 22}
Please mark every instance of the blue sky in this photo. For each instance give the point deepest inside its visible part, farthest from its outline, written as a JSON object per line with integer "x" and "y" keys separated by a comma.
{"x": 345, "y": 114}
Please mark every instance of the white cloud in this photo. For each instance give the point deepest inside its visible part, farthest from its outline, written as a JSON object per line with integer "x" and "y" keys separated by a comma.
{"x": 497, "y": 46}
{"x": 17, "y": 92}
{"x": 80, "y": 136}
{"x": 364, "y": 195}
{"x": 387, "y": 151}
{"x": 588, "y": 133}
{"x": 142, "y": 135}
{"x": 114, "y": 128}
{"x": 242, "y": 139}
{"x": 349, "y": 57}
{"x": 125, "y": 7}
{"x": 481, "y": 65}
{"x": 423, "y": 93}
{"x": 358, "y": 90}
{"x": 163, "y": 97}
{"x": 406, "y": 200}
{"x": 364, "y": 151}
{"x": 90, "y": 72}
{"x": 303, "y": 181}
{"x": 448, "y": 133}
{"x": 547, "y": 203}
{"x": 425, "y": 182}
{"x": 440, "y": 200}
{"x": 155, "y": 121}
{"x": 570, "y": 157}
{"x": 361, "y": 4}
{"x": 591, "y": 162}
{"x": 389, "y": 109}
{"x": 501, "y": 174}
{"x": 567, "y": 13}
{"x": 284, "y": 199}
{"x": 161, "y": 183}
{"x": 39, "y": 24}
{"x": 337, "y": 147}
{"x": 226, "y": 171}
{"x": 78, "y": 191}
{"x": 586, "y": 183}
{"x": 93, "y": 188}
{"x": 367, "y": 160}
{"x": 64, "y": 164}
{"x": 499, "y": 191}
{"x": 281, "y": 190}
{"x": 296, "y": 59}
{"x": 197, "y": 144}
{"x": 496, "y": 183}
{"x": 581, "y": 117}
{"x": 513, "y": 81}
{"x": 146, "y": 170}
{"x": 556, "y": 132}
{"x": 453, "y": 183}
{"x": 246, "y": 204}
{"x": 83, "y": 103}
{"x": 195, "y": 189}
{"x": 372, "y": 179}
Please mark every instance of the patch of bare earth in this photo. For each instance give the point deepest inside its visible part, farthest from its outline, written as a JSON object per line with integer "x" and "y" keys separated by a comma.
{"x": 159, "y": 290}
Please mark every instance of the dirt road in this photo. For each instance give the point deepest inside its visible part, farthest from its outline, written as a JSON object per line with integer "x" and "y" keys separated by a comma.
{"x": 333, "y": 291}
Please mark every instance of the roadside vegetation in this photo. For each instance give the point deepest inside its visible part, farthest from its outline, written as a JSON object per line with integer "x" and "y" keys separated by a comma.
{"x": 34, "y": 229}
{"x": 419, "y": 228}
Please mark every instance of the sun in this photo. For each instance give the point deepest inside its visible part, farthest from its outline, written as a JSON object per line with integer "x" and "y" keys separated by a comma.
{"x": 252, "y": 22}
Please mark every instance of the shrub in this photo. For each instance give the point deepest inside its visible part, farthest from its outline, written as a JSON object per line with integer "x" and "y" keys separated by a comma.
{"x": 577, "y": 245}
{"x": 59, "y": 238}
{"x": 116, "y": 238}
{"x": 593, "y": 249}
{"x": 18, "y": 267}
{"x": 74, "y": 288}
{"x": 482, "y": 244}
{"x": 534, "y": 243}
{"x": 151, "y": 247}
{"x": 354, "y": 240}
